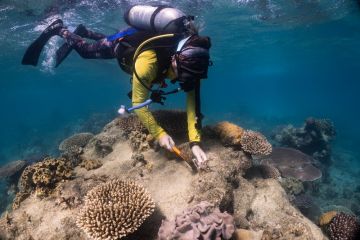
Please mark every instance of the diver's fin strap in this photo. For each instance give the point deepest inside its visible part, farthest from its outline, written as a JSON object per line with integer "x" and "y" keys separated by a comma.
{"x": 126, "y": 32}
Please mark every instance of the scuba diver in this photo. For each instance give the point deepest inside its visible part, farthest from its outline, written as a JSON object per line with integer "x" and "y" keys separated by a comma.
{"x": 160, "y": 43}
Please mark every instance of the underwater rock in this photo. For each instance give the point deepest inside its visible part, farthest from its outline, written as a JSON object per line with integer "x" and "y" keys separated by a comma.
{"x": 292, "y": 163}
{"x": 120, "y": 208}
{"x": 250, "y": 141}
{"x": 201, "y": 221}
{"x": 79, "y": 140}
{"x": 313, "y": 138}
{"x": 243, "y": 234}
{"x": 12, "y": 168}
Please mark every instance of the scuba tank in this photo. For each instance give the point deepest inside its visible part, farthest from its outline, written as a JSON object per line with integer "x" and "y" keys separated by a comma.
{"x": 159, "y": 19}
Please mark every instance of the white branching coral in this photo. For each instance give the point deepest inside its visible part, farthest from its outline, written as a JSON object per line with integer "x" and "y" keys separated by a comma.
{"x": 115, "y": 209}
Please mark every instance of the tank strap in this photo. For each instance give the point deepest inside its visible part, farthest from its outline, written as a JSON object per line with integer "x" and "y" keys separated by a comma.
{"x": 152, "y": 19}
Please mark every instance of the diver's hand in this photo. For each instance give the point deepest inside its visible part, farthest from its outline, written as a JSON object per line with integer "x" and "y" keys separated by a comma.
{"x": 200, "y": 156}
{"x": 166, "y": 141}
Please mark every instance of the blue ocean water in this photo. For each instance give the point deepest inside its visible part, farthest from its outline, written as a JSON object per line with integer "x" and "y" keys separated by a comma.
{"x": 276, "y": 62}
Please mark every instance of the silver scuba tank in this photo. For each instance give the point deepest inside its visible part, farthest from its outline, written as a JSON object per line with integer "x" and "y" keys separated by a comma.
{"x": 159, "y": 19}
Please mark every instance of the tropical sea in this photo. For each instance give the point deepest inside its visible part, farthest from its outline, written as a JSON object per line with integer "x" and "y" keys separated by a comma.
{"x": 276, "y": 62}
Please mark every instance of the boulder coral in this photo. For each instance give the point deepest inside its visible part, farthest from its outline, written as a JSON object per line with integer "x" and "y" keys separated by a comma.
{"x": 78, "y": 140}
{"x": 201, "y": 221}
{"x": 250, "y": 141}
{"x": 344, "y": 227}
{"x": 115, "y": 209}
{"x": 42, "y": 178}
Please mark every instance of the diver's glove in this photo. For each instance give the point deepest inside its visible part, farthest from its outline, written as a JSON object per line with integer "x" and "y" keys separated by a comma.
{"x": 200, "y": 156}
{"x": 166, "y": 141}
{"x": 157, "y": 96}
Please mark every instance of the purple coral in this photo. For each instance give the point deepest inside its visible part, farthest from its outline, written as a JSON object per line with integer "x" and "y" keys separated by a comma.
{"x": 292, "y": 163}
{"x": 344, "y": 227}
{"x": 199, "y": 222}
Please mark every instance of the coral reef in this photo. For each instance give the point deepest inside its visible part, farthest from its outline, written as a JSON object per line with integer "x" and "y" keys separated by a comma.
{"x": 42, "y": 178}
{"x": 78, "y": 140}
{"x": 302, "y": 201}
{"x": 292, "y": 163}
{"x": 250, "y": 141}
{"x": 115, "y": 209}
{"x": 292, "y": 186}
{"x": 268, "y": 171}
{"x": 174, "y": 122}
{"x": 12, "y": 168}
{"x": 259, "y": 205}
{"x": 90, "y": 164}
{"x": 344, "y": 227}
{"x": 201, "y": 221}
{"x": 229, "y": 133}
{"x": 313, "y": 138}
{"x": 326, "y": 218}
{"x": 255, "y": 143}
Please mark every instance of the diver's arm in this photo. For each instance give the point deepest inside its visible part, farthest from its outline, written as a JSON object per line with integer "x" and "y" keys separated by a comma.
{"x": 193, "y": 132}
{"x": 146, "y": 68}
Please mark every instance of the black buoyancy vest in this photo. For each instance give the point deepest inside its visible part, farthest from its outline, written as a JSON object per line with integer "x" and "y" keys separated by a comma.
{"x": 164, "y": 49}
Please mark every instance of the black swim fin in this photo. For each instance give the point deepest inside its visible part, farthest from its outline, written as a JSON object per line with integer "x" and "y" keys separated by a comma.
{"x": 32, "y": 54}
{"x": 66, "y": 48}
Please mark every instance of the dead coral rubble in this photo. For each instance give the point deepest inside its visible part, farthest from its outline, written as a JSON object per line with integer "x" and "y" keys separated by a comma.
{"x": 90, "y": 164}
{"x": 201, "y": 221}
{"x": 42, "y": 178}
{"x": 115, "y": 209}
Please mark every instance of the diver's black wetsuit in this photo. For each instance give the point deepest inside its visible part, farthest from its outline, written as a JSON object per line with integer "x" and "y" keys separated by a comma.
{"x": 102, "y": 48}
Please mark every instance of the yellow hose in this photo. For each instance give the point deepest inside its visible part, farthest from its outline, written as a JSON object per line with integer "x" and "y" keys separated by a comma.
{"x": 150, "y": 40}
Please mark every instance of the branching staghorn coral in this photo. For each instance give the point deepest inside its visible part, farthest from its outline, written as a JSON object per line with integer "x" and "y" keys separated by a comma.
{"x": 115, "y": 209}
{"x": 201, "y": 221}
{"x": 42, "y": 178}
{"x": 250, "y": 141}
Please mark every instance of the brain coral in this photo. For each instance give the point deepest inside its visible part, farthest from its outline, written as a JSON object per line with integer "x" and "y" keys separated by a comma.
{"x": 201, "y": 221}
{"x": 344, "y": 227}
{"x": 115, "y": 209}
{"x": 79, "y": 140}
